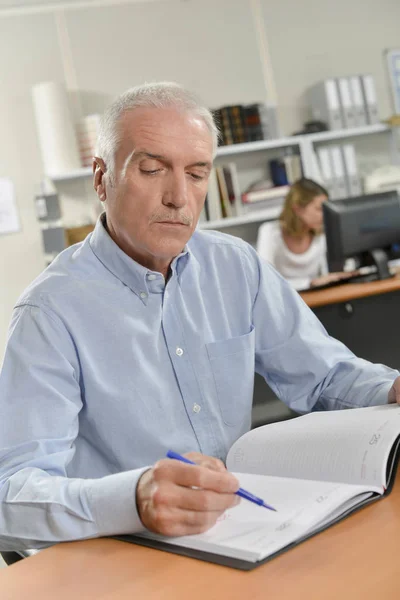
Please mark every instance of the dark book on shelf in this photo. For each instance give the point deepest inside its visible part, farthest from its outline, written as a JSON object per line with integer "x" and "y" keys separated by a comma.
{"x": 237, "y": 124}
{"x": 231, "y": 123}
{"x": 253, "y": 125}
{"x": 216, "y": 114}
{"x": 226, "y": 206}
{"x": 277, "y": 169}
{"x": 245, "y": 123}
{"x": 206, "y": 209}
{"x": 226, "y": 130}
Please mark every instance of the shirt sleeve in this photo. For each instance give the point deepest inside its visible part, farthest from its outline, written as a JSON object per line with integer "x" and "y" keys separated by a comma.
{"x": 40, "y": 402}
{"x": 304, "y": 366}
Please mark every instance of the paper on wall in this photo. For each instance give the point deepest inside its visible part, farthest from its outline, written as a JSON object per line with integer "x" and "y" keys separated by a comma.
{"x": 9, "y": 221}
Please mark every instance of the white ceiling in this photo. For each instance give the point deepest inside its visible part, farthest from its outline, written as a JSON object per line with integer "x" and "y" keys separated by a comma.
{"x": 19, "y": 3}
{"x": 18, "y": 6}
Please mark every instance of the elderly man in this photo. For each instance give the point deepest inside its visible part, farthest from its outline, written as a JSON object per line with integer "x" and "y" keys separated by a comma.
{"x": 146, "y": 337}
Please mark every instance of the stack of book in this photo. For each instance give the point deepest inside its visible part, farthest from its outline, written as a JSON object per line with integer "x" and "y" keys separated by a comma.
{"x": 240, "y": 123}
{"x": 225, "y": 199}
{"x": 286, "y": 170}
{"x": 87, "y": 133}
{"x": 260, "y": 199}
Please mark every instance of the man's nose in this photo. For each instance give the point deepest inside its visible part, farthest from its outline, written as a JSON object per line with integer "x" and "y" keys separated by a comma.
{"x": 176, "y": 193}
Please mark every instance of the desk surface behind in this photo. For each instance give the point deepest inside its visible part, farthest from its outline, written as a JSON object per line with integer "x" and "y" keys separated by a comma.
{"x": 350, "y": 291}
{"x": 357, "y": 558}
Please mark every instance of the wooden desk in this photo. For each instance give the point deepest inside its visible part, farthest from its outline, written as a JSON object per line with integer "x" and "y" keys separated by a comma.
{"x": 364, "y": 316}
{"x": 356, "y": 559}
{"x": 350, "y": 291}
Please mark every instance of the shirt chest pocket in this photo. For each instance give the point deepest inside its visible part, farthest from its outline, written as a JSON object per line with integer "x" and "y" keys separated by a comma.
{"x": 232, "y": 364}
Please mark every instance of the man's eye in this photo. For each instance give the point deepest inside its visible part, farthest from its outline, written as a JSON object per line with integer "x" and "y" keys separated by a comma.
{"x": 152, "y": 172}
{"x": 196, "y": 177}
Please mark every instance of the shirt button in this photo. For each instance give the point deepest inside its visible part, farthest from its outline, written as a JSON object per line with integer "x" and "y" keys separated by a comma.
{"x": 179, "y": 351}
{"x": 151, "y": 277}
{"x": 143, "y": 295}
{"x": 196, "y": 408}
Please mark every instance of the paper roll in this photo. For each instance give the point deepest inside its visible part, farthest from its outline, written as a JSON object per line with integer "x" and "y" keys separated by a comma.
{"x": 55, "y": 129}
{"x": 87, "y": 133}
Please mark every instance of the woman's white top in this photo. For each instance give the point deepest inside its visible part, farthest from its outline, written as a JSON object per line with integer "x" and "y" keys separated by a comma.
{"x": 298, "y": 269}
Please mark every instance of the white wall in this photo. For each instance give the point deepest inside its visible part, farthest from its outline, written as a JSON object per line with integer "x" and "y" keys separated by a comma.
{"x": 28, "y": 53}
{"x": 208, "y": 45}
{"x": 314, "y": 39}
{"x": 109, "y": 49}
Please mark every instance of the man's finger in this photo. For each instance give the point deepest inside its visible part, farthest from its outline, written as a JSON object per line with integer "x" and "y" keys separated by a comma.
{"x": 210, "y": 462}
{"x": 186, "y": 498}
{"x": 195, "y": 476}
{"x": 394, "y": 392}
{"x": 174, "y": 521}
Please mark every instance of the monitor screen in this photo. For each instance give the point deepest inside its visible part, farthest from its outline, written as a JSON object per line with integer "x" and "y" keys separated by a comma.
{"x": 363, "y": 227}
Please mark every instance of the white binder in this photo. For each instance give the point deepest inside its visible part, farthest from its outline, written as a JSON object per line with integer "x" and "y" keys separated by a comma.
{"x": 346, "y": 102}
{"x": 325, "y": 166}
{"x": 339, "y": 176}
{"x": 353, "y": 182}
{"x": 232, "y": 182}
{"x": 213, "y": 197}
{"x": 356, "y": 93}
{"x": 393, "y": 64}
{"x": 325, "y": 105}
{"x": 370, "y": 100}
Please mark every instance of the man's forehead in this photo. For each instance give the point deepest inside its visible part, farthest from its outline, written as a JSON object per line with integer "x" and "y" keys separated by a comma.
{"x": 159, "y": 123}
{"x": 162, "y": 132}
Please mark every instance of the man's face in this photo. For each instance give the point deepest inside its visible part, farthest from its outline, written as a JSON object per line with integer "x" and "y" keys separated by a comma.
{"x": 161, "y": 172}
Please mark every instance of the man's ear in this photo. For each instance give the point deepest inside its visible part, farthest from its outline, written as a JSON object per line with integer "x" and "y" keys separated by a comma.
{"x": 99, "y": 170}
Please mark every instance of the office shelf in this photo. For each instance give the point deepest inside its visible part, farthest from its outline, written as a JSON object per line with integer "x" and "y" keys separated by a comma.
{"x": 326, "y": 136}
{"x": 296, "y": 140}
{"x": 267, "y": 214}
{"x": 284, "y": 142}
{"x": 257, "y": 146}
{"x": 76, "y": 174}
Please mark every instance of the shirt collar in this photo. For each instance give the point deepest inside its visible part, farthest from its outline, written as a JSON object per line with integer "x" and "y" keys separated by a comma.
{"x": 127, "y": 270}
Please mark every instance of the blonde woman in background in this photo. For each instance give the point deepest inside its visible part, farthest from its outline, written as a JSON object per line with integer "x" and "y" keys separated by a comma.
{"x": 295, "y": 245}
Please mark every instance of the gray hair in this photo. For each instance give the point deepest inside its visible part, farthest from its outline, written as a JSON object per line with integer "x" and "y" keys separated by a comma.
{"x": 157, "y": 95}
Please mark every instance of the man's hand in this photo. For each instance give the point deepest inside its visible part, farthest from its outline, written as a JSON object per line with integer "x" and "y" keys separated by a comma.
{"x": 174, "y": 498}
{"x": 394, "y": 392}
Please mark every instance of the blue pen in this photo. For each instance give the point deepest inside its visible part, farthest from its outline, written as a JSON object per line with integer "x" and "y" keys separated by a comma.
{"x": 241, "y": 492}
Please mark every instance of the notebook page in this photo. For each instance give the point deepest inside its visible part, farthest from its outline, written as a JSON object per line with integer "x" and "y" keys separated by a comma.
{"x": 252, "y": 532}
{"x": 349, "y": 446}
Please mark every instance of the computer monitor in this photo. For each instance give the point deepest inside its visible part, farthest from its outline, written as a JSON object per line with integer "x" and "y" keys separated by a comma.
{"x": 363, "y": 227}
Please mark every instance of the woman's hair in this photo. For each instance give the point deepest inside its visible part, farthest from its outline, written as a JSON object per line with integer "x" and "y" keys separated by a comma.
{"x": 301, "y": 193}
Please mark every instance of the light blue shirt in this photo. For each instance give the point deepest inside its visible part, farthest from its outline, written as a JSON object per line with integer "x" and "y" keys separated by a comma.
{"x": 107, "y": 367}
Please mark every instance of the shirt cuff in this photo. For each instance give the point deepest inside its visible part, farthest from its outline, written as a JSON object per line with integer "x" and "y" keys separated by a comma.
{"x": 112, "y": 501}
{"x": 381, "y": 396}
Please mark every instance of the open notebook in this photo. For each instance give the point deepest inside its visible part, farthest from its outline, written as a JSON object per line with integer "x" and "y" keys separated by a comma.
{"x": 314, "y": 470}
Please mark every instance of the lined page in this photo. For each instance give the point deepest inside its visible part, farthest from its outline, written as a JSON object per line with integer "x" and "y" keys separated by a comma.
{"x": 252, "y": 532}
{"x": 349, "y": 446}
